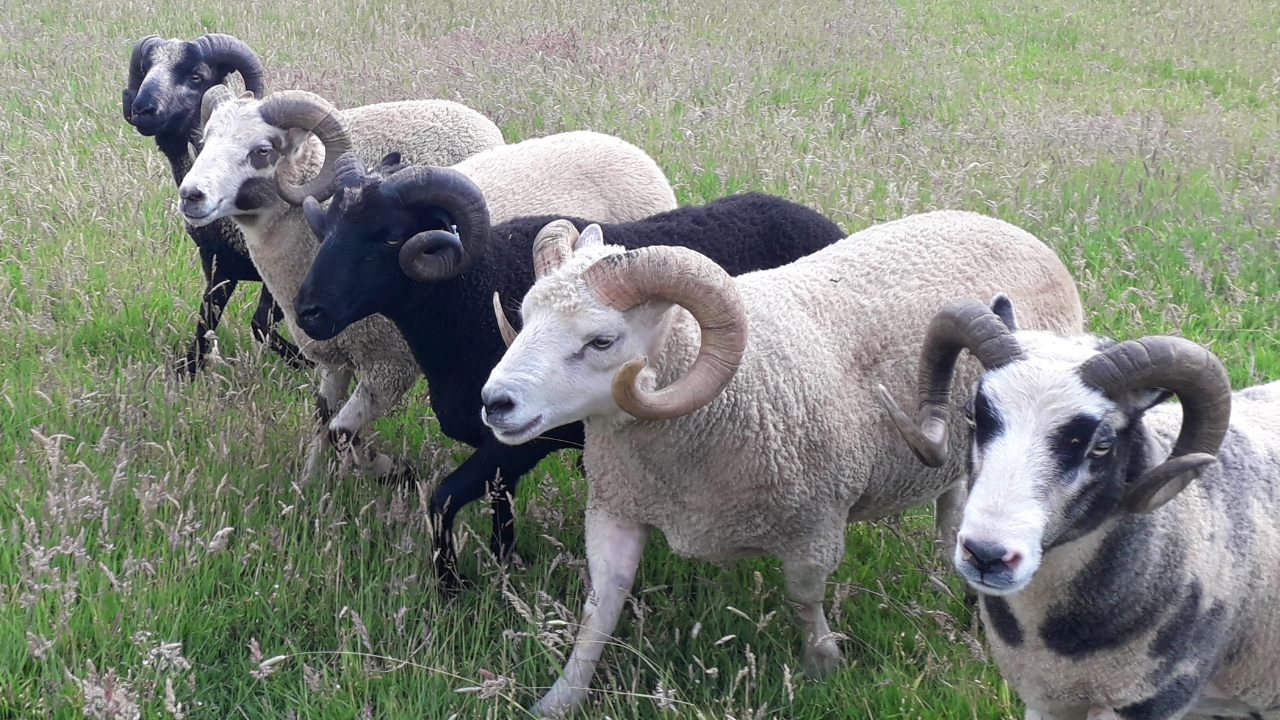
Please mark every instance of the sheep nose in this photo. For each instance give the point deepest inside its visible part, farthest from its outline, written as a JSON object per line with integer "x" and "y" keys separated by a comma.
{"x": 144, "y": 105}
{"x": 990, "y": 557}
{"x": 191, "y": 194}
{"x": 497, "y": 403}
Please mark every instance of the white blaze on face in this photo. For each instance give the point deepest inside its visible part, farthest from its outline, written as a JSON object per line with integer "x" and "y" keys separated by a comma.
{"x": 561, "y": 366}
{"x": 238, "y": 147}
{"x": 1017, "y": 485}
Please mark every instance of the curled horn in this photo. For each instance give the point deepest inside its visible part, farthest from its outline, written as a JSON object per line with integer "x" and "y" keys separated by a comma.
{"x": 213, "y": 97}
{"x": 141, "y": 50}
{"x": 349, "y": 170}
{"x": 684, "y": 277}
{"x": 226, "y": 50}
{"x": 504, "y": 326}
{"x": 553, "y": 246}
{"x": 291, "y": 109}
{"x": 1187, "y": 370}
{"x": 441, "y": 254}
{"x": 959, "y": 325}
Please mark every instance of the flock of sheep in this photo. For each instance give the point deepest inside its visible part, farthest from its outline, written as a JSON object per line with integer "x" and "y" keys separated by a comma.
{"x": 733, "y": 372}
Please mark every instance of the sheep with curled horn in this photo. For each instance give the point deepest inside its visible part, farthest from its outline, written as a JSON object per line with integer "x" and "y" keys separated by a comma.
{"x": 738, "y": 416}
{"x": 430, "y": 247}
{"x": 1125, "y": 549}
{"x": 261, "y": 159}
{"x": 167, "y": 82}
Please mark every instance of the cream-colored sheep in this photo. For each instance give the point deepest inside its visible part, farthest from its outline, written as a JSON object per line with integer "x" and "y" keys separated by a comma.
{"x": 766, "y": 437}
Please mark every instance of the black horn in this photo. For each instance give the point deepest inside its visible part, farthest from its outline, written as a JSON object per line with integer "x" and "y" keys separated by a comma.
{"x": 231, "y": 52}
{"x": 959, "y": 325}
{"x": 141, "y": 50}
{"x": 1187, "y": 370}
{"x": 440, "y": 254}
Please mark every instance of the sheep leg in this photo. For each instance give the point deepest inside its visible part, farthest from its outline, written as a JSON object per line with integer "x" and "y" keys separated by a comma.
{"x": 333, "y": 385}
{"x": 807, "y": 587}
{"x": 217, "y": 293}
{"x": 265, "y": 319}
{"x": 948, "y": 511}
{"x": 494, "y": 466}
{"x": 614, "y": 548}
{"x": 368, "y": 403}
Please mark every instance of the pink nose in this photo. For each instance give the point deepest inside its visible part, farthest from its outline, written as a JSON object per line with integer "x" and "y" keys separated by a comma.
{"x": 986, "y": 557}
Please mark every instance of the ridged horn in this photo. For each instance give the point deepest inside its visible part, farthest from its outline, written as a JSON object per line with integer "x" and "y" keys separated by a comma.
{"x": 686, "y": 278}
{"x": 213, "y": 97}
{"x": 959, "y": 325}
{"x": 553, "y": 246}
{"x": 504, "y": 325}
{"x": 219, "y": 49}
{"x": 141, "y": 50}
{"x": 290, "y": 109}
{"x": 439, "y": 254}
{"x": 1187, "y": 370}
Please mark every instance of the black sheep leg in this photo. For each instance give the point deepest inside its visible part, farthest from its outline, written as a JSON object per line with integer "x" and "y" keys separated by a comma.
{"x": 491, "y": 461}
{"x": 265, "y": 319}
{"x": 217, "y": 293}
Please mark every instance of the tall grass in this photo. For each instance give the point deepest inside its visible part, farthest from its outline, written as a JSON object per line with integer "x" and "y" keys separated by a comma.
{"x": 157, "y": 555}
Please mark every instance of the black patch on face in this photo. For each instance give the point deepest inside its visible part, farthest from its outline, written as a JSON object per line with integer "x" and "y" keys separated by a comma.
{"x": 262, "y": 161}
{"x": 1003, "y": 620}
{"x": 1176, "y": 695}
{"x": 1069, "y": 443}
{"x": 987, "y": 424}
{"x": 1123, "y": 591}
{"x": 1188, "y": 631}
{"x": 256, "y": 193}
{"x": 1102, "y": 492}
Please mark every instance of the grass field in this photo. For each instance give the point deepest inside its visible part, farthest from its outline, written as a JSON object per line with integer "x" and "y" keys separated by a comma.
{"x": 154, "y": 548}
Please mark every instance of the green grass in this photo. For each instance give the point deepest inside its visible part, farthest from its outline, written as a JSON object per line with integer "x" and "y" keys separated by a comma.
{"x": 1138, "y": 140}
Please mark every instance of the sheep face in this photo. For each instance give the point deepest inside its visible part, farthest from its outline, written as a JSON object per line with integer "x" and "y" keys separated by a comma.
{"x": 1050, "y": 461}
{"x": 561, "y": 367}
{"x": 235, "y": 173}
{"x": 176, "y": 77}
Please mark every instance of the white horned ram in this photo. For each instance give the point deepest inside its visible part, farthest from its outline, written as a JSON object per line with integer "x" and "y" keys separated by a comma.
{"x": 256, "y": 150}
{"x": 765, "y": 437}
{"x": 1112, "y": 585}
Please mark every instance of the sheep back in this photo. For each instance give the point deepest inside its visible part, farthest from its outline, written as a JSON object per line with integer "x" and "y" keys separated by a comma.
{"x": 424, "y": 132}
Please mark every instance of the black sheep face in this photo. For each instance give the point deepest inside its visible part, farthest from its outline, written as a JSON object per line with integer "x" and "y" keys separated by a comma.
{"x": 357, "y": 271}
{"x": 167, "y": 102}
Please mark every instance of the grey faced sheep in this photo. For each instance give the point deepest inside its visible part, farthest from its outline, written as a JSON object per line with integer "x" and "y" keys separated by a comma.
{"x": 254, "y": 153}
{"x": 167, "y": 80}
{"x": 765, "y": 437}
{"x": 1112, "y": 585}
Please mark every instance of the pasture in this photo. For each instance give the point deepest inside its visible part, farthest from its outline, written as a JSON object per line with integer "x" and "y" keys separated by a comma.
{"x": 158, "y": 557}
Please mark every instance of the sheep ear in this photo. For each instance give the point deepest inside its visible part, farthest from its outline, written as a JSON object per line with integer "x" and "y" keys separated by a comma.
{"x": 296, "y": 138}
{"x": 315, "y": 216}
{"x": 391, "y": 159}
{"x": 1002, "y": 306}
{"x": 246, "y": 95}
{"x": 592, "y": 236}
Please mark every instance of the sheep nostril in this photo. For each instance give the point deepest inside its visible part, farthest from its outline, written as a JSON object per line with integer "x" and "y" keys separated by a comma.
{"x": 191, "y": 194}
{"x": 989, "y": 557}
{"x": 499, "y": 405}
{"x": 309, "y": 312}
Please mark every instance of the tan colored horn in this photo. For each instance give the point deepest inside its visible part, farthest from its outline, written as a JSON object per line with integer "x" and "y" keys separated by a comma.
{"x": 958, "y": 325}
{"x": 290, "y": 109}
{"x": 1187, "y": 370}
{"x": 553, "y": 246}
{"x": 686, "y": 278}
{"x": 213, "y": 97}
{"x": 504, "y": 326}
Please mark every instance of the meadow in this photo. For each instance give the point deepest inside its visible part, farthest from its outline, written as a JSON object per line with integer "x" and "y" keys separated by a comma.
{"x": 158, "y": 556}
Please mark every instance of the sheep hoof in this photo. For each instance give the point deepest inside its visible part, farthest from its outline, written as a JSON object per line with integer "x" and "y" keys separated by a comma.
{"x": 822, "y": 658}
{"x": 187, "y": 367}
{"x": 403, "y": 474}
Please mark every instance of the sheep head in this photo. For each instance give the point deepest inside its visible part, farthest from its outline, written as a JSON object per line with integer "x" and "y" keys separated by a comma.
{"x": 385, "y": 231}
{"x": 594, "y": 315}
{"x": 168, "y": 79}
{"x": 1058, "y": 446}
{"x": 254, "y": 149}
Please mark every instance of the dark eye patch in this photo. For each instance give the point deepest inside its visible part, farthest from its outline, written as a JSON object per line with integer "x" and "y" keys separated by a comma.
{"x": 261, "y": 161}
{"x": 1069, "y": 443}
{"x": 986, "y": 423}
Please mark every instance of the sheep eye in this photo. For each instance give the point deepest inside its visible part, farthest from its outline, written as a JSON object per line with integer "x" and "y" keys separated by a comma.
{"x": 263, "y": 151}
{"x": 602, "y": 343}
{"x": 195, "y": 79}
{"x": 1100, "y": 449}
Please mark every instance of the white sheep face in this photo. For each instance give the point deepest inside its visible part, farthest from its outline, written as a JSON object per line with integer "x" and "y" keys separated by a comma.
{"x": 235, "y": 173}
{"x": 561, "y": 366}
{"x": 1049, "y": 458}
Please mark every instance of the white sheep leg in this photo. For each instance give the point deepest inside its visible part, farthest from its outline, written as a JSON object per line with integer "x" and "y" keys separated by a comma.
{"x": 367, "y": 403}
{"x": 948, "y": 511}
{"x": 807, "y": 587}
{"x": 614, "y": 548}
{"x": 333, "y": 385}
